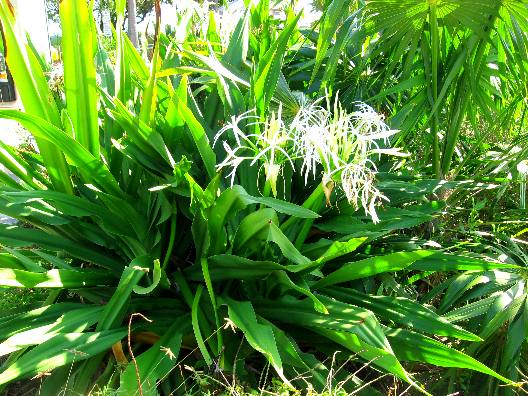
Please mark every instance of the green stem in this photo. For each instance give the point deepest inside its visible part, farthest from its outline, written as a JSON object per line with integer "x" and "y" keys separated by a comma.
{"x": 267, "y": 189}
{"x": 171, "y": 242}
{"x": 453, "y": 129}
{"x": 266, "y": 192}
{"x": 314, "y": 197}
{"x": 523, "y": 192}
{"x": 52, "y": 297}
{"x": 433, "y": 22}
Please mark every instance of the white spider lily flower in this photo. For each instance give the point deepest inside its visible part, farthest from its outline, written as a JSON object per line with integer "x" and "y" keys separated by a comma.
{"x": 342, "y": 143}
{"x": 309, "y": 130}
{"x": 522, "y": 168}
{"x": 273, "y": 144}
{"x": 269, "y": 147}
{"x": 232, "y": 160}
{"x": 233, "y": 126}
{"x": 370, "y": 124}
{"x": 357, "y": 182}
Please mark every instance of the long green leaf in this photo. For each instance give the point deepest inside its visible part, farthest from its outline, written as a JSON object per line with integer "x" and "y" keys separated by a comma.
{"x": 269, "y": 68}
{"x": 372, "y": 266}
{"x": 19, "y": 237}
{"x": 56, "y": 278}
{"x": 74, "y": 321}
{"x": 403, "y": 311}
{"x": 411, "y": 346}
{"x": 34, "y": 93}
{"x": 59, "y": 351}
{"x": 331, "y": 19}
{"x": 259, "y": 336}
{"x": 79, "y": 46}
{"x": 92, "y": 168}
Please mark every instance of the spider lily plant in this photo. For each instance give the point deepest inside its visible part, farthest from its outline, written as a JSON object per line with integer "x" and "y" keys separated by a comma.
{"x": 341, "y": 144}
{"x": 154, "y": 259}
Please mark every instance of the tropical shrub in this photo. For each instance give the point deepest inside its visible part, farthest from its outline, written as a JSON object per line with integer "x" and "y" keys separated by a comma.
{"x": 492, "y": 304}
{"x": 192, "y": 211}
{"x": 450, "y": 74}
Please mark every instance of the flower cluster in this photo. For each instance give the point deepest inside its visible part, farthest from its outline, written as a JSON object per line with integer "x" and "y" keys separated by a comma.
{"x": 339, "y": 143}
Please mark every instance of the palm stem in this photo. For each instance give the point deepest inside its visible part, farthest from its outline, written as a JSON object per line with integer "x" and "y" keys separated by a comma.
{"x": 434, "y": 74}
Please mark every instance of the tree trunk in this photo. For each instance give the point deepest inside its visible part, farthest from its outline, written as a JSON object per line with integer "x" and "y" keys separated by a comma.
{"x": 132, "y": 23}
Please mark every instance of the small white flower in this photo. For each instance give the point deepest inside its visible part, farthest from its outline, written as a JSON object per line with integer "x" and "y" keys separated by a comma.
{"x": 233, "y": 126}
{"x": 269, "y": 146}
{"x": 522, "y": 168}
{"x": 371, "y": 125}
{"x": 357, "y": 181}
{"x": 232, "y": 160}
